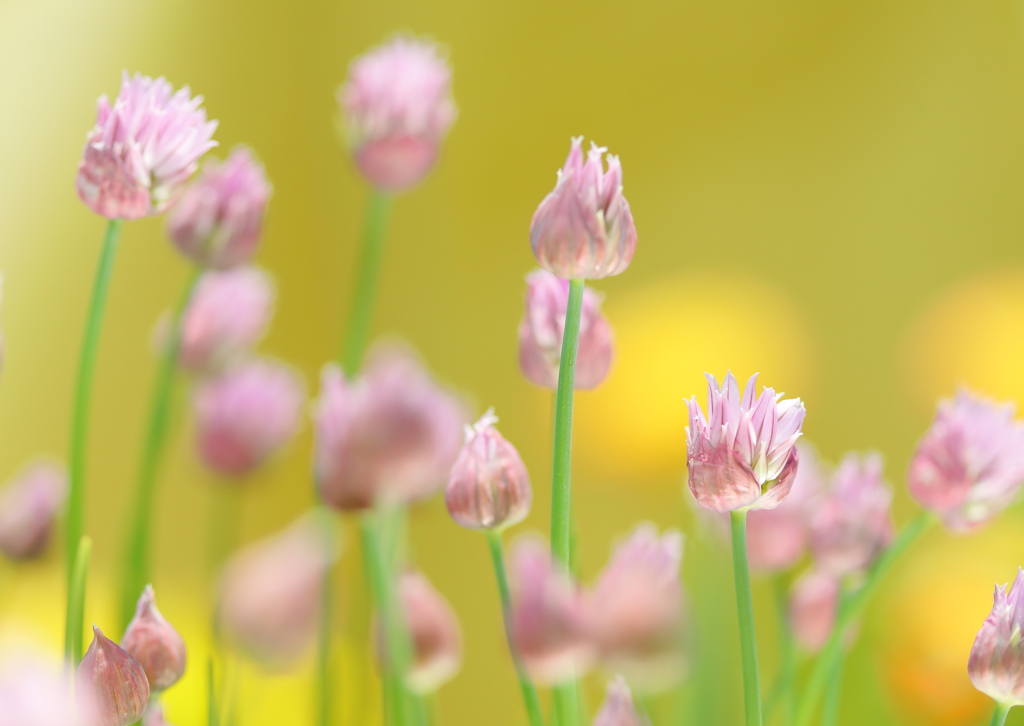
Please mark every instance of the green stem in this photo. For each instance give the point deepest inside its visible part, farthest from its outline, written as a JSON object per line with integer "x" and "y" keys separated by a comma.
{"x": 136, "y": 574}
{"x": 323, "y": 650}
{"x": 782, "y": 692}
{"x": 745, "y": 610}
{"x": 76, "y": 603}
{"x": 370, "y": 256}
{"x": 830, "y": 711}
{"x": 530, "y": 698}
{"x": 849, "y": 613}
{"x": 999, "y": 713}
{"x": 83, "y": 392}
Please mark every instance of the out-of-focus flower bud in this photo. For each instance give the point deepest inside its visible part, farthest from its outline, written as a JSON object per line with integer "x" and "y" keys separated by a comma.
{"x": 391, "y": 435}
{"x": 618, "y": 708}
{"x": 969, "y": 466}
{"x": 743, "y": 455}
{"x": 246, "y": 414}
{"x": 28, "y": 506}
{"x": 434, "y": 632}
{"x": 34, "y": 692}
{"x": 218, "y": 219}
{"x": 398, "y": 108}
{"x": 141, "y": 152}
{"x": 155, "y": 644}
{"x": 270, "y": 592}
{"x": 584, "y": 229}
{"x": 636, "y": 609}
{"x": 489, "y": 487}
{"x": 812, "y": 609}
{"x": 543, "y": 327}
{"x": 114, "y": 685}
{"x": 549, "y": 616}
{"x": 155, "y": 716}
{"x": 996, "y": 665}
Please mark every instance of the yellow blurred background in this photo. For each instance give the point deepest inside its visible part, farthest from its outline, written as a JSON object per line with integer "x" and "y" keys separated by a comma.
{"x": 829, "y": 193}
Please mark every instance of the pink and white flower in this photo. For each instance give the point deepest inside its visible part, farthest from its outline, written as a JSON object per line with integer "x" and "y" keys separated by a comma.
{"x": 996, "y": 664}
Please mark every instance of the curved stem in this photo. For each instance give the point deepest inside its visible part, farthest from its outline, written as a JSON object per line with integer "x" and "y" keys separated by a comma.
{"x": 370, "y": 256}
{"x": 830, "y": 711}
{"x": 999, "y": 714}
{"x": 76, "y": 604}
{"x": 745, "y": 610}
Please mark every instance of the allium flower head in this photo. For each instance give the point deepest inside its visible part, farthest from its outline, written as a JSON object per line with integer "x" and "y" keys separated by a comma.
{"x": 996, "y": 665}
{"x": 155, "y": 644}
{"x": 812, "y": 609}
{"x": 584, "y": 229}
{"x": 398, "y": 108}
{"x": 618, "y": 708}
{"x": 112, "y": 684}
{"x": 142, "y": 149}
{"x": 28, "y": 506}
{"x": 218, "y": 220}
{"x": 543, "y": 327}
{"x": 743, "y": 455}
{"x": 34, "y": 692}
{"x": 433, "y": 632}
{"x": 970, "y": 464}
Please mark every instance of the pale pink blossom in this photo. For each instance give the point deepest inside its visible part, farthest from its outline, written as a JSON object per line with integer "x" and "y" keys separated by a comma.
{"x": 433, "y": 633}
{"x": 584, "y": 229}
{"x": 218, "y": 220}
{"x": 812, "y": 609}
{"x": 969, "y": 466}
{"x": 28, "y": 506}
{"x": 34, "y": 692}
{"x": 142, "y": 149}
{"x": 543, "y": 327}
{"x": 155, "y": 644}
{"x": 743, "y": 455}
{"x": 398, "y": 108}
{"x": 618, "y": 708}
{"x": 111, "y": 684}
{"x": 996, "y": 664}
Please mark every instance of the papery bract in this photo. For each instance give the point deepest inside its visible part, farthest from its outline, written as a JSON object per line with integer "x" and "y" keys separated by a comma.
{"x": 812, "y": 609}
{"x": 111, "y": 684}
{"x": 996, "y": 664}
{"x": 28, "y": 507}
{"x": 155, "y": 644}
{"x": 618, "y": 708}
{"x": 433, "y": 632}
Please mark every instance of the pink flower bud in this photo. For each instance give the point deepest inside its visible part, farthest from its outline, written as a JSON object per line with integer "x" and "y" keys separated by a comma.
{"x": 398, "y": 108}
{"x": 155, "y": 716}
{"x": 113, "y": 683}
{"x": 391, "y": 435}
{"x": 812, "y": 609}
{"x": 28, "y": 506}
{"x": 218, "y": 219}
{"x": 35, "y": 692}
{"x": 141, "y": 152}
{"x": 489, "y": 487}
{"x": 996, "y": 665}
{"x": 543, "y": 327}
{"x": 970, "y": 464}
{"x": 584, "y": 227}
{"x": 433, "y": 631}
{"x": 618, "y": 709}
{"x": 155, "y": 644}
{"x": 246, "y": 414}
{"x": 549, "y": 618}
{"x": 743, "y": 455}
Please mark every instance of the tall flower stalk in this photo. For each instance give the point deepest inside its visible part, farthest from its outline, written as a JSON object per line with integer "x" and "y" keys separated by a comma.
{"x": 745, "y": 611}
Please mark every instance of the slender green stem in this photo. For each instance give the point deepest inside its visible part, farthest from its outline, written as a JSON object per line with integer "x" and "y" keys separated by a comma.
{"x": 999, "y": 713}
{"x": 74, "y": 626}
{"x": 833, "y": 694}
{"x": 782, "y": 692}
{"x": 745, "y": 610}
{"x": 323, "y": 650}
{"x": 83, "y": 392}
{"x": 530, "y": 698}
{"x": 370, "y": 256}
{"x": 849, "y": 613}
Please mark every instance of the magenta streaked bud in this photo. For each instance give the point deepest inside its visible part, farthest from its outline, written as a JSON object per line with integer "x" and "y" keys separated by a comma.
{"x": 142, "y": 150}
{"x": 391, "y": 435}
{"x": 28, "y": 506}
{"x": 618, "y": 708}
{"x": 996, "y": 665}
{"x": 489, "y": 487}
{"x": 743, "y": 455}
{"x": 113, "y": 684}
{"x": 584, "y": 229}
{"x": 398, "y": 108}
{"x": 543, "y": 327}
{"x": 433, "y": 632}
{"x": 155, "y": 644}
{"x": 812, "y": 609}
{"x": 549, "y": 616}
{"x": 969, "y": 466}
{"x": 246, "y": 414}
{"x": 35, "y": 692}
{"x": 218, "y": 220}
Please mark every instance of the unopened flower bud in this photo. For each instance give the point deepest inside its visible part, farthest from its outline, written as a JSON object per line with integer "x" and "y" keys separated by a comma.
{"x": 433, "y": 631}
{"x": 489, "y": 487}
{"x": 114, "y": 685}
{"x": 218, "y": 220}
{"x": 246, "y": 414}
{"x": 812, "y": 609}
{"x": 398, "y": 108}
{"x": 28, "y": 506}
{"x": 155, "y": 644}
{"x": 618, "y": 708}
{"x": 155, "y": 715}
{"x": 743, "y": 455}
{"x": 584, "y": 229}
{"x": 996, "y": 665}
{"x": 543, "y": 327}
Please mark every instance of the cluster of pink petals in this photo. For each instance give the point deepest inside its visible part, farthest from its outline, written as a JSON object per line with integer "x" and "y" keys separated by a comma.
{"x": 218, "y": 220}
{"x": 142, "y": 149}
{"x": 543, "y": 327}
{"x": 812, "y": 608}
{"x": 618, "y": 708}
{"x": 111, "y": 685}
{"x": 433, "y": 632}
{"x": 743, "y": 455}
{"x": 969, "y": 466}
{"x": 28, "y": 507}
{"x": 155, "y": 644}
{"x": 398, "y": 108}
{"x": 584, "y": 229}
{"x": 34, "y": 692}
{"x": 996, "y": 664}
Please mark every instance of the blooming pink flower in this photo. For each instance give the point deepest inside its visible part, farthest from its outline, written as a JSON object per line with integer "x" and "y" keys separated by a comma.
{"x": 28, "y": 506}
{"x": 996, "y": 665}
{"x": 218, "y": 220}
{"x": 543, "y": 327}
{"x": 743, "y": 455}
{"x": 969, "y": 466}
{"x": 398, "y": 108}
{"x": 433, "y": 631}
{"x": 392, "y": 434}
{"x": 113, "y": 684}
{"x": 155, "y": 644}
{"x": 618, "y": 708}
{"x": 584, "y": 227}
{"x": 142, "y": 150}
{"x": 34, "y": 692}
{"x": 246, "y": 414}
{"x": 812, "y": 609}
